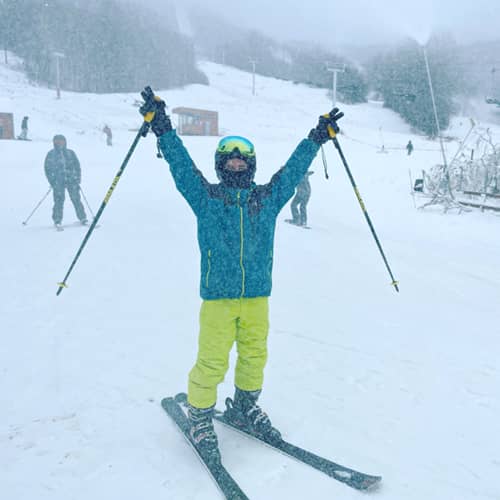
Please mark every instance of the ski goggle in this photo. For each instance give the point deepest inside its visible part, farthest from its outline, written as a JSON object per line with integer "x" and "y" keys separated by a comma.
{"x": 228, "y": 144}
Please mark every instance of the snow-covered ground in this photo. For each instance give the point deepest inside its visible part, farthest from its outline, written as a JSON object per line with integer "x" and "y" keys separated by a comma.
{"x": 404, "y": 385}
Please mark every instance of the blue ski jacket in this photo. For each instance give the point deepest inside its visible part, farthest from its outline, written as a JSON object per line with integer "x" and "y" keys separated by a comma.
{"x": 235, "y": 226}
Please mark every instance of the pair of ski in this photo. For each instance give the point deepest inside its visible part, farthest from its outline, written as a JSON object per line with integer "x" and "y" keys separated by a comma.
{"x": 60, "y": 227}
{"x": 290, "y": 221}
{"x": 226, "y": 483}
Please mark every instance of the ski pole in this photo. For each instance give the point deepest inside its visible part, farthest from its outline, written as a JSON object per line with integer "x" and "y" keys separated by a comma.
{"x": 325, "y": 166}
{"x": 333, "y": 135}
{"x": 142, "y": 133}
{"x": 87, "y": 203}
{"x": 36, "y": 208}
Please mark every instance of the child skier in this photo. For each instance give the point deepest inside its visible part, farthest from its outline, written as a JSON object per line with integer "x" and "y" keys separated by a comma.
{"x": 236, "y": 223}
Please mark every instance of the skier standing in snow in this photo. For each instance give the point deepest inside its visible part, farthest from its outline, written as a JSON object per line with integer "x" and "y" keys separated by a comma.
{"x": 24, "y": 129}
{"x": 63, "y": 172}
{"x": 236, "y": 223}
{"x": 409, "y": 147}
{"x": 300, "y": 200}
{"x": 109, "y": 135}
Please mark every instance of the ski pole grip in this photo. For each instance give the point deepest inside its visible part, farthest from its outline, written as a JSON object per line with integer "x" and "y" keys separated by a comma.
{"x": 331, "y": 131}
{"x": 148, "y": 117}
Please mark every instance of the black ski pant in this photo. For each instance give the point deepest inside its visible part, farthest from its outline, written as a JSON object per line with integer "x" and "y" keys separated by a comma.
{"x": 59, "y": 194}
{"x": 299, "y": 209}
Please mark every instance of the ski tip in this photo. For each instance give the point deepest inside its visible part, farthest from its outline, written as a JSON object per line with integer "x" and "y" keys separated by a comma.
{"x": 166, "y": 401}
{"x": 370, "y": 483}
{"x": 181, "y": 398}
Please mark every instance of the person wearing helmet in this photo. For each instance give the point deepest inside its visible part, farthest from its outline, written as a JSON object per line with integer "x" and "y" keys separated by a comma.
{"x": 236, "y": 224}
{"x": 63, "y": 172}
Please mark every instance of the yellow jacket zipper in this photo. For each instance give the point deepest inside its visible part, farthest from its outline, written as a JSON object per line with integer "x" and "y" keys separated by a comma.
{"x": 241, "y": 247}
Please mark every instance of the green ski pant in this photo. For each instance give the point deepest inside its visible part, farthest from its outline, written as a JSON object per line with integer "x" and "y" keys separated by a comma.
{"x": 222, "y": 322}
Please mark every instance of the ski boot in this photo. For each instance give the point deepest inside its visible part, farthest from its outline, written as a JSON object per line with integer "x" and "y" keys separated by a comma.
{"x": 202, "y": 432}
{"x": 248, "y": 416}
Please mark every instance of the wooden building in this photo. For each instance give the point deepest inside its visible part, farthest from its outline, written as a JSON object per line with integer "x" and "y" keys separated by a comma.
{"x": 194, "y": 121}
{"x": 6, "y": 126}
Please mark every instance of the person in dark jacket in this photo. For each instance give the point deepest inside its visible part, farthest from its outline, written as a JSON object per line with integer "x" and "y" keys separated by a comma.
{"x": 409, "y": 147}
{"x": 63, "y": 172}
{"x": 300, "y": 200}
{"x": 236, "y": 225}
{"x": 109, "y": 135}
{"x": 24, "y": 129}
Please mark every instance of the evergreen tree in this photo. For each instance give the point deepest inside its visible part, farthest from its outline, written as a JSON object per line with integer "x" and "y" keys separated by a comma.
{"x": 401, "y": 78}
{"x": 108, "y": 47}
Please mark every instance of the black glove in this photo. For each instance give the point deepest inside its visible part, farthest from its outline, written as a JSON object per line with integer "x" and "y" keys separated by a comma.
{"x": 321, "y": 133}
{"x": 160, "y": 122}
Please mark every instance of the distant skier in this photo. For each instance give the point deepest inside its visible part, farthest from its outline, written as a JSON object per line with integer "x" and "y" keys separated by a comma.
{"x": 109, "y": 135}
{"x": 300, "y": 200}
{"x": 409, "y": 147}
{"x": 63, "y": 172}
{"x": 24, "y": 129}
{"x": 236, "y": 223}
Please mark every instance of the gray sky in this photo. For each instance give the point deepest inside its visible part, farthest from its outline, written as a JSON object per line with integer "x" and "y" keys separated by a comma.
{"x": 349, "y": 22}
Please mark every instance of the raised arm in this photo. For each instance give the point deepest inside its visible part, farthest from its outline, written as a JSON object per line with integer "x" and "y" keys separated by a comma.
{"x": 284, "y": 182}
{"x": 188, "y": 179}
{"x": 286, "y": 179}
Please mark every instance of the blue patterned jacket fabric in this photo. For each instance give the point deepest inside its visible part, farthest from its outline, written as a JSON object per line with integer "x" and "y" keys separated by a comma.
{"x": 235, "y": 226}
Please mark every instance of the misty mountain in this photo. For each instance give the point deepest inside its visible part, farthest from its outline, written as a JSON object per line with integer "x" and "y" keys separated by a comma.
{"x": 402, "y": 79}
{"x": 226, "y": 43}
{"x": 105, "y": 46}
{"x": 112, "y": 46}
{"x": 480, "y": 64}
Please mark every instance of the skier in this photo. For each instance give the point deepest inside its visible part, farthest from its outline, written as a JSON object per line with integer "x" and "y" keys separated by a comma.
{"x": 409, "y": 147}
{"x": 24, "y": 129}
{"x": 63, "y": 172}
{"x": 236, "y": 222}
{"x": 300, "y": 200}
{"x": 109, "y": 135}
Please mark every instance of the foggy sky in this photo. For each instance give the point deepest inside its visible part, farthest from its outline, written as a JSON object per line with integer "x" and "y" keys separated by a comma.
{"x": 358, "y": 22}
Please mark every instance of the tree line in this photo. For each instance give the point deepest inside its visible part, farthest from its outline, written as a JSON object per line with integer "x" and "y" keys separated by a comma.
{"x": 107, "y": 46}
{"x": 110, "y": 46}
{"x": 402, "y": 80}
{"x": 397, "y": 76}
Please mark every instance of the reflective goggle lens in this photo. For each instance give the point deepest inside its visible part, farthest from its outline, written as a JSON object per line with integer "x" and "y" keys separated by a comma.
{"x": 229, "y": 144}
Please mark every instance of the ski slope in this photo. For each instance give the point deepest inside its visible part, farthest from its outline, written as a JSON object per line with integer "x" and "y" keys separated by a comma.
{"x": 403, "y": 385}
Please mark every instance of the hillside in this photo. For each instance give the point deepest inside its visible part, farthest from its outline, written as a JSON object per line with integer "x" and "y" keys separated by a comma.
{"x": 402, "y": 385}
